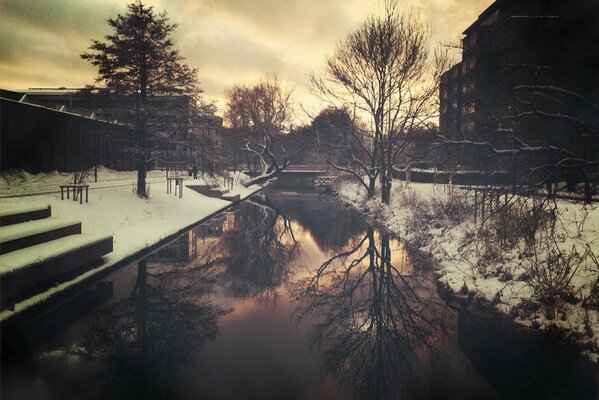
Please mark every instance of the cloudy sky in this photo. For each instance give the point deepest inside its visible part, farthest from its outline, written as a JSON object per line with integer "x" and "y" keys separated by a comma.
{"x": 228, "y": 41}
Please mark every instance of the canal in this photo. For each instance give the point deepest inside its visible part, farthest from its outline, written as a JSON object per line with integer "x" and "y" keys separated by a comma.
{"x": 286, "y": 296}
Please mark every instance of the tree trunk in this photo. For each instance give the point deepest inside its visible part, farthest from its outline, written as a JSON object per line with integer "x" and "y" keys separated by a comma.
{"x": 371, "y": 186}
{"x": 386, "y": 192}
{"x": 141, "y": 176}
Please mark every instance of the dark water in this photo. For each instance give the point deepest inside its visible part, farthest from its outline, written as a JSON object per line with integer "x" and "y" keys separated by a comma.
{"x": 286, "y": 297}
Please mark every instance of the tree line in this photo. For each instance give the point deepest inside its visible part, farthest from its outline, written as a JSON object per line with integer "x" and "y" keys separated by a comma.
{"x": 379, "y": 86}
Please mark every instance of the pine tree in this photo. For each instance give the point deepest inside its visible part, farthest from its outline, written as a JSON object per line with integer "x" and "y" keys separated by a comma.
{"x": 139, "y": 63}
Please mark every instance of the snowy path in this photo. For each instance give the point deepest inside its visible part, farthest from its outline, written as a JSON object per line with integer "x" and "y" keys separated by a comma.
{"x": 136, "y": 224}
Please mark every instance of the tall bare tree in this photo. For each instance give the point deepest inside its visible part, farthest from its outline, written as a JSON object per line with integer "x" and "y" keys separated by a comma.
{"x": 139, "y": 63}
{"x": 264, "y": 111}
{"x": 386, "y": 73}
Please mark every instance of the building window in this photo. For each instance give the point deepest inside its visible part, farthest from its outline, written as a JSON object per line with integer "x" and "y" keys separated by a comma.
{"x": 468, "y": 87}
{"x": 468, "y": 109}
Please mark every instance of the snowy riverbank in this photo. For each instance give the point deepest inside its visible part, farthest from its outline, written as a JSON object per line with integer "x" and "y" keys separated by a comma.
{"x": 114, "y": 209}
{"x": 535, "y": 262}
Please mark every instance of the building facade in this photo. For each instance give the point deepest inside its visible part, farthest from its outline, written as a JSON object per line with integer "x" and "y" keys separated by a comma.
{"x": 525, "y": 64}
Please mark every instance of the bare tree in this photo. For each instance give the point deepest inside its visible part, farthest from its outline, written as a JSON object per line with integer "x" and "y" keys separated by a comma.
{"x": 386, "y": 73}
{"x": 345, "y": 145}
{"x": 264, "y": 110}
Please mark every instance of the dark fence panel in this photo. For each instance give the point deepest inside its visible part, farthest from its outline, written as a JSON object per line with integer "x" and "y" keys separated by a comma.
{"x": 37, "y": 139}
{"x": 457, "y": 178}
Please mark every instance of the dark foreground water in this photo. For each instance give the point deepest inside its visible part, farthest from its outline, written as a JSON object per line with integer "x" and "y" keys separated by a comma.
{"x": 287, "y": 296}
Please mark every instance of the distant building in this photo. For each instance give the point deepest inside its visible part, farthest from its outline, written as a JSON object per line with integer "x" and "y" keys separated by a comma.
{"x": 512, "y": 45}
{"x": 206, "y": 151}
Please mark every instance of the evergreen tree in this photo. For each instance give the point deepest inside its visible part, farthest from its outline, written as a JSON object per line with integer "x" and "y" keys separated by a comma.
{"x": 138, "y": 63}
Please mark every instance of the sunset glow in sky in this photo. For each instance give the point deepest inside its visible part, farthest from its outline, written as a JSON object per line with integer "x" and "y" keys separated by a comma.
{"x": 228, "y": 41}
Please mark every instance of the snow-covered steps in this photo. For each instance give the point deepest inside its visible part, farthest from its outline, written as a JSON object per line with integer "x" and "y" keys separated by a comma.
{"x": 38, "y": 250}
{"x": 23, "y": 271}
{"x": 19, "y": 236}
{"x": 15, "y": 215}
{"x": 231, "y": 197}
{"x": 202, "y": 189}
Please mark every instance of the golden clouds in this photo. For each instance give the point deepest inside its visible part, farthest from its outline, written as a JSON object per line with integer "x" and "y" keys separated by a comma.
{"x": 227, "y": 40}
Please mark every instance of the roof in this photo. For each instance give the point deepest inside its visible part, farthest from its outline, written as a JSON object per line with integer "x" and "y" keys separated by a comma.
{"x": 47, "y": 91}
{"x": 26, "y": 103}
{"x": 482, "y": 16}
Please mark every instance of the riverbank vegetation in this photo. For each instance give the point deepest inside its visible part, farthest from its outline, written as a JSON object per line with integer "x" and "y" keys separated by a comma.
{"x": 535, "y": 259}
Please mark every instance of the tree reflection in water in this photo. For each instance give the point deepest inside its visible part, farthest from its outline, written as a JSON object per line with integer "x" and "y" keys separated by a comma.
{"x": 257, "y": 251}
{"x": 378, "y": 325}
{"x": 146, "y": 337}
{"x": 329, "y": 224}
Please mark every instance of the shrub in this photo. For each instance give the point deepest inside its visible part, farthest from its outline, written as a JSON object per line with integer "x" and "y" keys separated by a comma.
{"x": 551, "y": 270}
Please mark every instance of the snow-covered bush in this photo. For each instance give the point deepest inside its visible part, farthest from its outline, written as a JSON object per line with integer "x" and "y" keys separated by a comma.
{"x": 454, "y": 208}
{"x": 79, "y": 177}
{"x": 551, "y": 270}
{"x": 519, "y": 220}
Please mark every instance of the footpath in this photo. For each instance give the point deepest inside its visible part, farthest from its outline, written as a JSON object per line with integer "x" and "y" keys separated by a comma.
{"x": 113, "y": 209}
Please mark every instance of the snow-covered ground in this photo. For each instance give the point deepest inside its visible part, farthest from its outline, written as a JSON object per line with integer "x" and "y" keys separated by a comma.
{"x": 113, "y": 209}
{"x": 494, "y": 261}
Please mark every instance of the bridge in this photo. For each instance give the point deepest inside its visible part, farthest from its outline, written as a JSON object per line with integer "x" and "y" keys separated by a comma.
{"x": 300, "y": 175}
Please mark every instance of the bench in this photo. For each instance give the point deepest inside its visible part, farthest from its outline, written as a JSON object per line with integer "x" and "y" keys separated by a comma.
{"x": 178, "y": 183}
{"x": 77, "y": 191}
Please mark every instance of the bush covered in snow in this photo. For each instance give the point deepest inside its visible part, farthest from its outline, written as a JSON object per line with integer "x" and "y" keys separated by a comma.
{"x": 534, "y": 259}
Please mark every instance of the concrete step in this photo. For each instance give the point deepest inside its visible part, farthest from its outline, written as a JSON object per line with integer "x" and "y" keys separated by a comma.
{"x": 19, "y": 236}
{"x": 16, "y": 215}
{"x": 203, "y": 189}
{"x": 218, "y": 192}
{"x": 25, "y": 271}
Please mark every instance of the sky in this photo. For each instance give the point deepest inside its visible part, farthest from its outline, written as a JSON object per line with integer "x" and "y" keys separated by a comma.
{"x": 228, "y": 41}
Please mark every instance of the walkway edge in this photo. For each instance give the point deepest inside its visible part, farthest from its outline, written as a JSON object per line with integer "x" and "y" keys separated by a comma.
{"x": 64, "y": 288}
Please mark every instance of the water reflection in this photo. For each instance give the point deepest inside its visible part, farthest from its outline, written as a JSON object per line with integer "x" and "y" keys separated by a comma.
{"x": 145, "y": 338}
{"x": 367, "y": 306}
{"x": 256, "y": 249}
{"x": 378, "y": 325}
{"x": 329, "y": 224}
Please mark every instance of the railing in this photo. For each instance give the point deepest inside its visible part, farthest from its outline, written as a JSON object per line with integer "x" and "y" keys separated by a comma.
{"x": 306, "y": 167}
